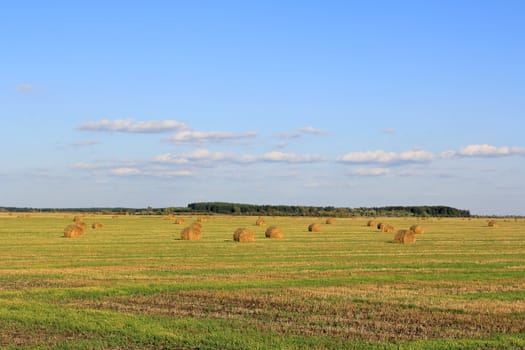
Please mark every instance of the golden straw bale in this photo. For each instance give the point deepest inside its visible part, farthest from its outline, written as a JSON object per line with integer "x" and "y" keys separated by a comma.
{"x": 314, "y": 227}
{"x": 371, "y": 223}
{"x": 97, "y": 225}
{"x": 192, "y": 232}
{"x": 78, "y": 218}
{"x": 387, "y": 228}
{"x": 330, "y": 221}
{"x": 202, "y": 219}
{"x": 260, "y": 222}
{"x": 82, "y": 225}
{"x": 73, "y": 230}
{"x": 243, "y": 235}
{"x": 179, "y": 221}
{"x": 418, "y": 229}
{"x": 274, "y": 232}
{"x": 492, "y": 223}
{"x": 405, "y": 236}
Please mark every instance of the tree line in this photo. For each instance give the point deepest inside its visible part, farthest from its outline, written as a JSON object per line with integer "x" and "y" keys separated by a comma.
{"x": 262, "y": 210}
{"x": 299, "y": 210}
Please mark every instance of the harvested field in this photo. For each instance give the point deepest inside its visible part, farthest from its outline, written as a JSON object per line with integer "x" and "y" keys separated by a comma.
{"x": 135, "y": 286}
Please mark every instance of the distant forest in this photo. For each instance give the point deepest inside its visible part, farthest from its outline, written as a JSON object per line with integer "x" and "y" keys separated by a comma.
{"x": 271, "y": 210}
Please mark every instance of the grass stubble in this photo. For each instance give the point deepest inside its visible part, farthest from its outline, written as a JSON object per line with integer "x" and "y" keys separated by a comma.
{"x": 135, "y": 284}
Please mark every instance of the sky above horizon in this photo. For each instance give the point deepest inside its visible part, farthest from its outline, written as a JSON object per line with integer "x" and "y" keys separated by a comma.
{"x": 329, "y": 103}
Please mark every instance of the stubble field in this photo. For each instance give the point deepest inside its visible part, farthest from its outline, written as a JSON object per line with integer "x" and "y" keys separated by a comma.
{"x": 135, "y": 284}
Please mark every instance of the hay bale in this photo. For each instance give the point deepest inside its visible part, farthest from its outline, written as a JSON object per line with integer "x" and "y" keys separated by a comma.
{"x": 202, "y": 219}
{"x": 371, "y": 223}
{"x": 418, "y": 229}
{"x": 273, "y": 232}
{"x": 314, "y": 227}
{"x": 73, "y": 231}
{"x": 405, "y": 236}
{"x": 492, "y": 223}
{"x": 78, "y": 218}
{"x": 260, "y": 222}
{"x": 380, "y": 226}
{"x": 192, "y": 232}
{"x": 97, "y": 225}
{"x": 243, "y": 235}
{"x": 330, "y": 221}
{"x": 387, "y": 228}
{"x": 179, "y": 222}
{"x": 82, "y": 225}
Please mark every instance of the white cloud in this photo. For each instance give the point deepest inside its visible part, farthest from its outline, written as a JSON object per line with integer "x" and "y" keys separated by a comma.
{"x": 448, "y": 154}
{"x": 210, "y": 136}
{"x": 370, "y": 171}
{"x": 485, "y": 150}
{"x": 128, "y": 125}
{"x": 125, "y": 171}
{"x": 24, "y": 87}
{"x": 300, "y": 132}
{"x": 380, "y": 156}
{"x": 277, "y": 156}
{"x": 311, "y": 130}
{"x": 203, "y": 155}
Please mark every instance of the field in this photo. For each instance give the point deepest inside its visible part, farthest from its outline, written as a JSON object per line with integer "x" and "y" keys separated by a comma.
{"x": 135, "y": 284}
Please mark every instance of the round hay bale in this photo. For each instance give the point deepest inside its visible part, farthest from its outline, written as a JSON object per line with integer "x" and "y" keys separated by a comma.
{"x": 314, "y": 227}
{"x": 387, "y": 228}
{"x": 82, "y": 225}
{"x": 418, "y": 229}
{"x": 97, "y": 225}
{"x": 492, "y": 223}
{"x": 202, "y": 219}
{"x": 405, "y": 236}
{"x": 78, "y": 218}
{"x": 371, "y": 223}
{"x": 243, "y": 235}
{"x": 73, "y": 231}
{"x": 330, "y": 221}
{"x": 191, "y": 233}
{"x": 179, "y": 222}
{"x": 273, "y": 232}
{"x": 260, "y": 222}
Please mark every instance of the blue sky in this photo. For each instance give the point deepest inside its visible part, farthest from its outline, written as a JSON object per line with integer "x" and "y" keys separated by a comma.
{"x": 343, "y": 103}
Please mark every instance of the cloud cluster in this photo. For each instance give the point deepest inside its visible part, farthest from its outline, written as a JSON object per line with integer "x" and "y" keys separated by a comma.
{"x": 128, "y": 125}
{"x": 207, "y": 156}
{"x": 307, "y": 130}
{"x": 362, "y": 163}
{"x": 380, "y": 156}
{"x": 211, "y": 136}
{"x": 485, "y": 150}
{"x": 286, "y": 157}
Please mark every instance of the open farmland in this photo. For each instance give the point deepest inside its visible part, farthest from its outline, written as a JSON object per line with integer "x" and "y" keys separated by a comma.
{"x": 135, "y": 284}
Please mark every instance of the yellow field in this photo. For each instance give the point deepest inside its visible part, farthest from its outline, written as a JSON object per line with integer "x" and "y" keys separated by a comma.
{"x": 135, "y": 284}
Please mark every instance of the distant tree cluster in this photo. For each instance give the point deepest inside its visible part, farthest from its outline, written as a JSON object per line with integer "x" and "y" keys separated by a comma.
{"x": 267, "y": 210}
{"x": 297, "y": 210}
